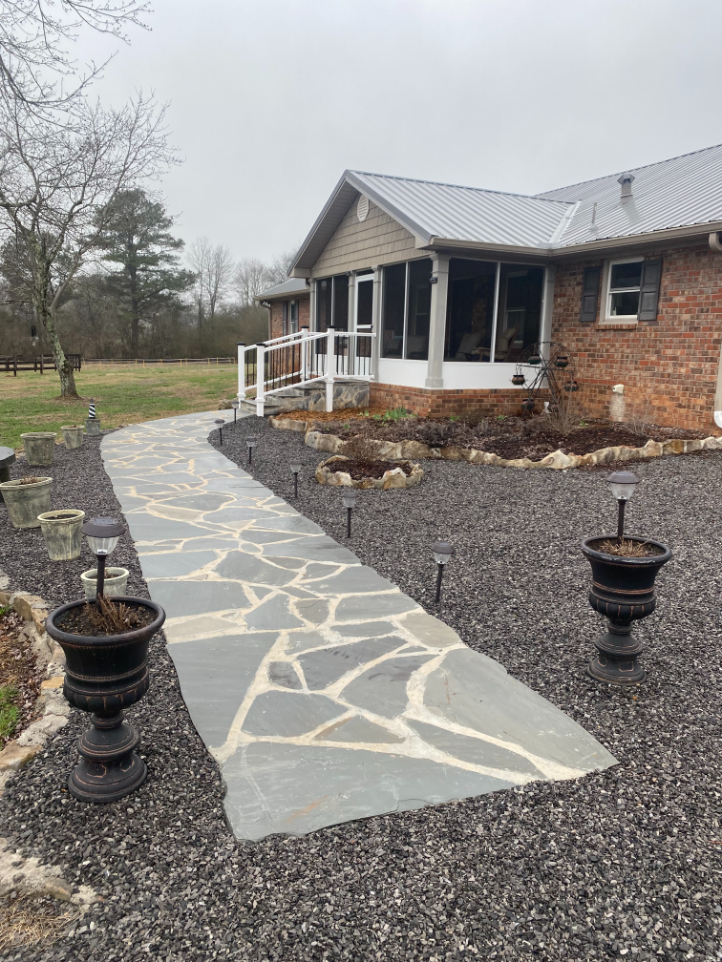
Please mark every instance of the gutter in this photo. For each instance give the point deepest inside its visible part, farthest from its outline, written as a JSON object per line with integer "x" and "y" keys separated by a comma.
{"x": 716, "y": 246}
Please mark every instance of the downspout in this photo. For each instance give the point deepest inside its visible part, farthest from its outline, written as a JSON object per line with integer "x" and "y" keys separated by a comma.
{"x": 716, "y": 246}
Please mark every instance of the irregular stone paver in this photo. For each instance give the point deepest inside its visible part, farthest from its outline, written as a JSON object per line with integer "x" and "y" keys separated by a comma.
{"x": 324, "y": 693}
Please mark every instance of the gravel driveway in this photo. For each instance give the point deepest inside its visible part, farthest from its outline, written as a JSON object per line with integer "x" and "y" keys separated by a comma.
{"x": 623, "y": 863}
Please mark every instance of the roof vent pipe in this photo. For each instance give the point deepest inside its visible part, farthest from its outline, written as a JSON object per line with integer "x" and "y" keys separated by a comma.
{"x": 714, "y": 242}
{"x": 626, "y": 181}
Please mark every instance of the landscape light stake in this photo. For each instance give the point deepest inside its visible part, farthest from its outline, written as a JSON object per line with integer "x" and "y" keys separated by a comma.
{"x": 220, "y": 424}
{"x": 622, "y": 484}
{"x": 349, "y": 496}
{"x": 442, "y": 551}
{"x": 102, "y": 535}
{"x": 234, "y": 405}
{"x": 250, "y": 444}
{"x": 295, "y": 468}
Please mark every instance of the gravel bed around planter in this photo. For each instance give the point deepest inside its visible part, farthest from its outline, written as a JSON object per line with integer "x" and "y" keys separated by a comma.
{"x": 626, "y": 863}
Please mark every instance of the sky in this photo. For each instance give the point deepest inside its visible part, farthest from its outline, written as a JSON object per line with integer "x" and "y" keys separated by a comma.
{"x": 271, "y": 100}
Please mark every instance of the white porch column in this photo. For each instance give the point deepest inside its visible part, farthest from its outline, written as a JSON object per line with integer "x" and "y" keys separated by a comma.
{"x": 547, "y": 310}
{"x": 437, "y": 328}
{"x": 312, "y": 306}
{"x": 376, "y": 322}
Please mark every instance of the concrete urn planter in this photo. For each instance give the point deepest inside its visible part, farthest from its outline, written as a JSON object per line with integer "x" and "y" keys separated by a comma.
{"x": 26, "y": 498}
{"x": 61, "y": 533}
{"x": 73, "y": 436}
{"x": 395, "y": 478}
{"x": 116, "y": 580}
{"x": 39, "y": 447}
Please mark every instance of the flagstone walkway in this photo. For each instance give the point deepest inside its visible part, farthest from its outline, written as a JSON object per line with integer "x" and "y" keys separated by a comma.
{"x": 324, "y": 693}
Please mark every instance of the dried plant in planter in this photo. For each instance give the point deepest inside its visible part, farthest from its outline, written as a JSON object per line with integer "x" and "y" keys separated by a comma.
{"x": 31, "y": 480}
{"x": 628, "y": 549}
{"x": 105, "y": 617}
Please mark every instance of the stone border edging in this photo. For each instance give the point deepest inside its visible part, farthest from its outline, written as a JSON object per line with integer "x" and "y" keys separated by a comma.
{"x": 556, "y": 460}
{"x": 395, "y": 478}
{"x": 52, "y": 704}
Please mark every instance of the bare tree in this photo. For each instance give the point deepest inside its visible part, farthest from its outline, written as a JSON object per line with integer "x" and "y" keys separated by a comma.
{"x": 278, "y": 270}
{"x": 213, "y": 267}
{"x": 250, "y": 280}
{"x": 57, "y": 184}
{"x": 36, "y": 66}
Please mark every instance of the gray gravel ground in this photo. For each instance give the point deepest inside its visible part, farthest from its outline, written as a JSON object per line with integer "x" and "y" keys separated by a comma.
{"x": 623, "y": 863}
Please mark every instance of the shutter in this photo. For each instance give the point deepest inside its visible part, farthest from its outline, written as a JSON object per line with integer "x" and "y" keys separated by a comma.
{"x": 649, "y": 290}
{"x": 590, "y": 295}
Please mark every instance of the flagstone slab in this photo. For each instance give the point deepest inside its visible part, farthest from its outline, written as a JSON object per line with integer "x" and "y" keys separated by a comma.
{"x": 324, "y": 693}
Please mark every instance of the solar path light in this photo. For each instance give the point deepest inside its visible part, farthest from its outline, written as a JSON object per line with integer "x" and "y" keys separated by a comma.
{"x": 220, "y": 422}
{"x": 295, "y": 468}
{"x": 622, "y": 484}
{"x": 102, "y": 535}
{"x": 442, "y": 552}
{"x": 348, "y": 496}
{"x": 234, "y": 405}
{"x": 250, "y": 444}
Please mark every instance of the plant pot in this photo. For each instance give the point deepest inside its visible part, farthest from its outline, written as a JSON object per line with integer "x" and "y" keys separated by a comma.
{"x": 105, "y": 675}
{"x": 61, "y": 532}
{"x": 116, "y": 581}
{"x": 92, "y": 427}
{"x": 73, "y": 436}
{"x": 518, "y": 380}
{"x": 622, "y": 591}
{"x": 534, "y": 359}
{"x": 561, "y": 362}
{"x": 528, "y": 405}
{"x": 39, "y": 447}
{"x": 26, "y": 501}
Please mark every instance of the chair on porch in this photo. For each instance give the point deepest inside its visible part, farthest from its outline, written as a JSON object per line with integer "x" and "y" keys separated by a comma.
{"x": 468, "y": 347}
{"x": 504, "y": 343}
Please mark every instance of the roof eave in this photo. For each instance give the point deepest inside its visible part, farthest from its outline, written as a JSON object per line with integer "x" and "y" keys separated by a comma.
{"x": 636, "y": 240}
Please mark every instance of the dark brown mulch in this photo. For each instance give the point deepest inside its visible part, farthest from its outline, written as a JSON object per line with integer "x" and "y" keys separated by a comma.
{"x": 18, "y": 668}
{"x": 369, "y": 469}
{"x": 508, "y": 437}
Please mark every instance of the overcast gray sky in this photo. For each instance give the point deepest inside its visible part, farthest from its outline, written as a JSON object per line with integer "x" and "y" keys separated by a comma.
{"x": 272, "y": 99}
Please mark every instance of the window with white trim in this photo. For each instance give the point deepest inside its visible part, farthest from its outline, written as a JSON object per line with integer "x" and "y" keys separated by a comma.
{"x": 624, "y": 284}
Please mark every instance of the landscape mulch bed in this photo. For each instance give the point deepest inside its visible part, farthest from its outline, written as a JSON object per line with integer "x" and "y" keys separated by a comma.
{"x": 508, "y": 437}
{"x": 18, "y": 670}
{"x": 625, "y": 863}
{"x": 358, "y": 470}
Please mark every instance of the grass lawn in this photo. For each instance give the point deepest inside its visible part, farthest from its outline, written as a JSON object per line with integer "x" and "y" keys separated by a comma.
{"x": 126, "y": 395}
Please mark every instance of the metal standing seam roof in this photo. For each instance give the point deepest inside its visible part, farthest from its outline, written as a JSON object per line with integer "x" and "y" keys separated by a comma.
{"x": 680, "y": 192}
{"x": 292, "y": 286}
{"x": 684, "y": 191}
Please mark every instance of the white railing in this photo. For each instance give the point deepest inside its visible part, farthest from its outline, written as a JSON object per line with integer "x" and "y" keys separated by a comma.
{"x": 295, "y": 360}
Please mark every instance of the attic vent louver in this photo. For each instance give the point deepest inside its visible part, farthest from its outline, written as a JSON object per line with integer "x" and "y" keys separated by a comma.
{"x": 362, "y": 209}
{"x": 626, "y": 181}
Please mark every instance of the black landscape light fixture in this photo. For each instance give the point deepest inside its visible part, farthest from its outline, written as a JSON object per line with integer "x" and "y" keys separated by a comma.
{"x": 220, "y": 422}
{"x": 102, "y": 535}
{"x": 442, "y": 552}
{"x": 250, "y": 444}
{"x": 622, "y": 484}
{"x": 348, "y": 496}
{"x": 295, "y": 468}
{"x": 235, "y": 405}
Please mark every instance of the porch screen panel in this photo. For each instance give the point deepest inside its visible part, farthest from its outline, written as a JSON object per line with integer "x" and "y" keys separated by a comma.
{"x": 394, "y": 304}
{"x": 340, "y": 302}
{"x": 470, "y": 310}
{"x": 520, "y": 301}
{"x": 419, "y": 311}
{"x": 324, "y": 299}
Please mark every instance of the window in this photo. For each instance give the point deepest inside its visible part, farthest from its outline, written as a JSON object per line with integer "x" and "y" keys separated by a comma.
{"x": 625, "y": 282}
{"x": 406, "y": 316}
{"x": 485, "y": 298}
{"x": 292, "y": 317}
{"x": 332, "y": 303}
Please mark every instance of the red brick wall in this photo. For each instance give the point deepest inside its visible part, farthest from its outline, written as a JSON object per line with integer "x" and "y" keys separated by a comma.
{"x": 444, "y": 403}
{"x": 304, "y": 312}
{"x": 668, "y": 366}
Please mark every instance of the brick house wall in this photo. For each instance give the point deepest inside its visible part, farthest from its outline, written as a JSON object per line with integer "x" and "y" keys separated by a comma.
{"x": 276, "y": 315}
{"x": 669, "y": 366}
{"x": 444, "y": 403}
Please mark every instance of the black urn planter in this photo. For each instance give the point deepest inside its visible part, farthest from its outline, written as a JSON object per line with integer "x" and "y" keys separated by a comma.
{"x": 622, "y": 591}
{"x": 104, "y": 675}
